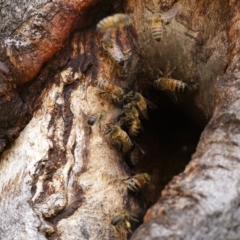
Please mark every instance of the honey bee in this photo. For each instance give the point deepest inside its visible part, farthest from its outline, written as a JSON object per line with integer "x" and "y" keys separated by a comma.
{"x": 170, "y": 84}
{"x": 157, "y": 26}
{"x": 158, "y": 19}
{"x": 114, "y": 22}
{"x": 120, "y": 136}
{"x": 122, "y": 220}
{"x": 137, "y": 182}
{"x": 132, "y": 116}
{"x": 136, "y": 99}
{"x": 115, "y": 91}
{"x": 100, "y": 116}
{"x": 114, "y": 51}
{"x": 96, "y": 117}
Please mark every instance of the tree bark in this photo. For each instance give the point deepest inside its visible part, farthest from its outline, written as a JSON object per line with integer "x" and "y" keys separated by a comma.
{"x": 61, "y": 179}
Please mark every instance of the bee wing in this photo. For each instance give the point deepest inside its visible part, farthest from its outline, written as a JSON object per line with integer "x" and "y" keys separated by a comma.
{"x": 106, "y": 35}
{"x": 139, "y": 148}
{"x": 143, "y": 113}
{"x": 114, "y": 115}
{"x": 150, "y": 104}
{"x": 126, "y": 179}
{"x": 171, "y": 12}
{"x": 172, "y": 96}
{"x": 142, "y": 128}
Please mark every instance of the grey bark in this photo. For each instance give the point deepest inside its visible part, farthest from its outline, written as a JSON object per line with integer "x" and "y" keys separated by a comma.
{"x": 202, "y": 202}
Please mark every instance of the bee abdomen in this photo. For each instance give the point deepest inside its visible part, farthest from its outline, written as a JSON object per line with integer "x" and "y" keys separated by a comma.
{"x": 181, "y": 86}
{"x": 157, "y": 33}
{"x": 170, "y": 84}
{"x": 113, "y": 22}
{"x": 127, "y": 145}
{"x": 134, "y": 185}
{"x": 138, "y": 182}
{"x": 135, "y": 127}
{"x": 104, "y": 24}
{"x": 177, "y": 85}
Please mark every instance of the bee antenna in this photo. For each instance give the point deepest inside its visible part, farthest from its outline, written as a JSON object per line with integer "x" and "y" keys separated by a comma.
{"x": 150, "y": 82}
{"x": 160, "y": 72}
{"x": 172, "y": 71}
{"x": 137, "y": 145}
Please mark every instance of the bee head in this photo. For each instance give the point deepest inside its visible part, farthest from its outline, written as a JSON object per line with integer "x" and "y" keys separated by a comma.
{"x": 91, "y": 120}
{"x": 130, "y": 95}
{"x": 159, "y": 83}
{"x": 116, "y": 220}
{"x": 133, "y": 160}
{"x": 157, "y": 17}
{"x": 127, "y": 106}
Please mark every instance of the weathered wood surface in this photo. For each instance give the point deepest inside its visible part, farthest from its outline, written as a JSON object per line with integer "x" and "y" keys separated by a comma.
{"x": 61, "y": 179}
{"x": 60, "y": 176}
{"x": 64, "y": 172}
{"x": 203, "y": 201}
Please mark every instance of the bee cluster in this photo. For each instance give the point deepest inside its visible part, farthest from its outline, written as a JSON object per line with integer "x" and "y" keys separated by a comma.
{"x": 133, "y": 105}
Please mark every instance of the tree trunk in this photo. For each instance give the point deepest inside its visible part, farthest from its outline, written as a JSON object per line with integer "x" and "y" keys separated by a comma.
{"x": 61, "y": 179}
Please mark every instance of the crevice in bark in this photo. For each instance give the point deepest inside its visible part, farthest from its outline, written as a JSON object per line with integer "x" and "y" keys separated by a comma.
{"x": 169, "y": 139}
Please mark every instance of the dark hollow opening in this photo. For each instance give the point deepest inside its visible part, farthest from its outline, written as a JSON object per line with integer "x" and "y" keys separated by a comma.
{"x": 169, "y": 139}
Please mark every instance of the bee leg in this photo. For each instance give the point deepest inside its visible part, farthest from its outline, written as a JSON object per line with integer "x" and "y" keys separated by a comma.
{"x": 134, "y": 219}
{"x": 168, "y": 74}
{"x": 194, "y": 87}
{"x": 104, "y": 127}
{"x": 126, "y": 179}
{"x": 172, "y": 96}
{"x": 160, "y": 72}
{"x": 99, "y": 93}
{"x": 123, "y": 122}
{"x": 100, "y": 127}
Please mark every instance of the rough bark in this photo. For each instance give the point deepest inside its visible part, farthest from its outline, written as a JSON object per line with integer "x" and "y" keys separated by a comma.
{"x": 62, "y": 179}
{"x": 202, "y": 202}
